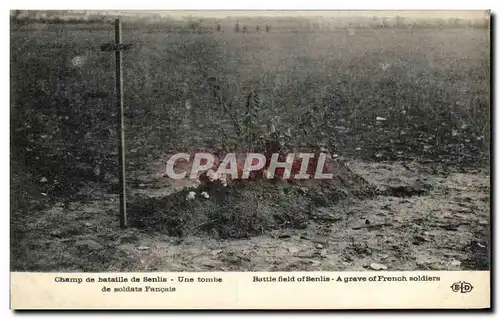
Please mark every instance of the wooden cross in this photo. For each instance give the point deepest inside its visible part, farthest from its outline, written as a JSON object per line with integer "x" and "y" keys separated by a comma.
{"x": 118, "y": 47}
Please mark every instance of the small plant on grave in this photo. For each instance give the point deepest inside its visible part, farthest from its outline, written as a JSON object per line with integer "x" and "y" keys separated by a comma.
{"x": 250, "y": 120}
{"x": 317, "y": 129}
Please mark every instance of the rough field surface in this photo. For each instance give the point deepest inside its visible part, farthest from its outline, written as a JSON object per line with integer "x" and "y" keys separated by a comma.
{"x": 407, "y": 111}
{"x": 428, "y": 219}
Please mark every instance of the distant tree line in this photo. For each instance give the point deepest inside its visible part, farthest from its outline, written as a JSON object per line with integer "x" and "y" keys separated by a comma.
{"x": 207, "y": 25}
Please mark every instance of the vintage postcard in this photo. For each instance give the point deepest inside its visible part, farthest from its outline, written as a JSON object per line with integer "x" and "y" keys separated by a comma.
{"x": 250, "y": 159}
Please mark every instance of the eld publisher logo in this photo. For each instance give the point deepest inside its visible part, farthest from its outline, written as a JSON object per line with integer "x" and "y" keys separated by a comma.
{"x": 462, "y": 287}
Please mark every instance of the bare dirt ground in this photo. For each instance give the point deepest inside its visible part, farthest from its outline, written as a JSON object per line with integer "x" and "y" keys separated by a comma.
{"x": 443, "y": 228}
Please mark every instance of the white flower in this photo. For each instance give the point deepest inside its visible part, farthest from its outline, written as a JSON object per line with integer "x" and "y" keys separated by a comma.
{"x": 205, "y": 195}
{"x": 78, "y": 61}
{"x": 212, "y": 175}
{"x": 223, "y": 179}
{"x": 190, "y": 195}
{"x": 381, "y": 118}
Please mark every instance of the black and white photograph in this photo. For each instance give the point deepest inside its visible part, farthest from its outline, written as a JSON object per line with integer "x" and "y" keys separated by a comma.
{"x": 244, "y": 141}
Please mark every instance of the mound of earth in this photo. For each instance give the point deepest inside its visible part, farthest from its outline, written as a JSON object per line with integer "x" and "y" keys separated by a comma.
{"x": 244, "y": 208}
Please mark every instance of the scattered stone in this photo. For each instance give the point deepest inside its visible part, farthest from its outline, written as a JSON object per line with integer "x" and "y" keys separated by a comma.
{"x": 331, "y": 218}
{"x": 190, "y": 196}
{"x": 88, "y": 245}
{"x": 326, "y": 214}
{"x": 455, "y": 263}
{"x": 142, "y": 185}
{"x": 142, "y": 248}
{"x": 56, "y": 233}
{"x": 43, "y": 180}
{"x": 319, "y": 246}
{"x": 216, "y": 252}
{"x": 381, "y": 118}
{"x": 293, "y": 250}
{"x": 376, "y": 266}
{"x": 205, "y": 195}
{"x": 305, "y": 255}
{"x": 420, "y": 239}
{"x": 320, "y": 239}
